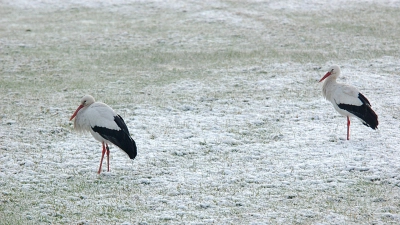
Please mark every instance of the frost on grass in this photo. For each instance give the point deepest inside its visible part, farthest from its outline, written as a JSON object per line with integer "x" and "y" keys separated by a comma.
{"x": 223, "y": 100}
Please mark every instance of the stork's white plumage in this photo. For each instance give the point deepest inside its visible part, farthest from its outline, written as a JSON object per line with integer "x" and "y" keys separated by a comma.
{"x": 105, "y": 125}
{"x": 347, "y": 100}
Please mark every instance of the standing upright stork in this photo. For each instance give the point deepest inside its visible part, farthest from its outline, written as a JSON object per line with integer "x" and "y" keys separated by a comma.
{"x": 105, "y": 125}
{"x": 347, "y": 100}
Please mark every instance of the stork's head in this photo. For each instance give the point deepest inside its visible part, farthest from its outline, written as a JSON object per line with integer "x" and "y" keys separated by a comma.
{"x": 85, "y": 101}
{"x": 334, "y": 72}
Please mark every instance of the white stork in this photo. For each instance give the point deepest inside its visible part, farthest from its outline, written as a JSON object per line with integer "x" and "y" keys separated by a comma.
{"x": 347, "y": 100}
{"x": 105, "y": 125}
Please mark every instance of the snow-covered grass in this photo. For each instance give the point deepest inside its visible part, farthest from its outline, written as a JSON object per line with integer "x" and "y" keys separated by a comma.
{"x": 223, "y": 100}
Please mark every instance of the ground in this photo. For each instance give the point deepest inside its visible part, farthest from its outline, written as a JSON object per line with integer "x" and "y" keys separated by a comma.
{"x": 222, "y": 99}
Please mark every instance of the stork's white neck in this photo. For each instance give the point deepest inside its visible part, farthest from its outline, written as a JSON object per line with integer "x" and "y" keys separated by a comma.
{"x": 328, "y": 86}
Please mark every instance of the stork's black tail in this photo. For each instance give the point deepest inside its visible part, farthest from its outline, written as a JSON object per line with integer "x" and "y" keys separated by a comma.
{"x": 370, "y": 119}
{"x": 127, "y": 144}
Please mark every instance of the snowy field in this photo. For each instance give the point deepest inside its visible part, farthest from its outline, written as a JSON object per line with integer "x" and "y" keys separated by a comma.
{"x": 223, "y": 100}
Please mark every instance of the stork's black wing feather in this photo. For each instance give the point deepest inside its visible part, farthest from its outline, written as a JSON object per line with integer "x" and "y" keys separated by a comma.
{"x": 363, "y": 99}
{"x": 120, "y": 138}
{"x": 363, "y": 112}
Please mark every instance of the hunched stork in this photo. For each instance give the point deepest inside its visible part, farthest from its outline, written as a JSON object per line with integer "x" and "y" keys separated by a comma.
{"x": 105, "y": 125}
{"x": 347, "y": 100}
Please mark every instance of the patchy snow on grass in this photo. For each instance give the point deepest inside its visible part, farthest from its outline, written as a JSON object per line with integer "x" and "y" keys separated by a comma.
{"x": 225, "y": 135}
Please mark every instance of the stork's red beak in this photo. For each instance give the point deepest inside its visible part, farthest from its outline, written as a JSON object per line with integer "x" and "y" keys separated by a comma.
{"x": 326, "y": 75}
{"x": 76, "y": 112}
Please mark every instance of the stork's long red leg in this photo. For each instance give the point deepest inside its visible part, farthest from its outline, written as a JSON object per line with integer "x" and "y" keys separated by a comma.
{"x": 108, "y": 158}
{"x": 102, "y": 156}
{"x": 348, "y": 128}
